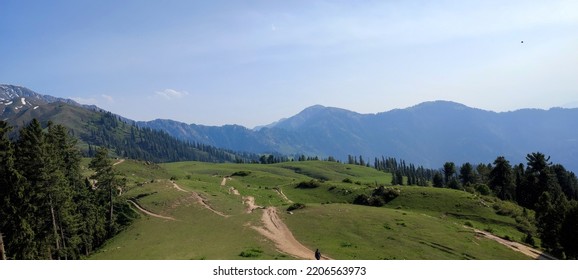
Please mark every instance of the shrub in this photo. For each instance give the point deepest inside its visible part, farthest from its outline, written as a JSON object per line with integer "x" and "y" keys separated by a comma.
{"x": 529, "y": 239}
{"x": 251, "y": 253}
{"x": 361, "y": 199}
{"x": 347, "y": 180}
{"x": 241, "y": 173}
{"x": 386, "y": 194}
{"x": 469, "y": 224}
{"x": 296, "y": 206}
{"x": 483, "y": 189}
{"x": 309, "y": 185}
{"x": 504, "y": 208}
{"x": 378, "y": 198}
{"x": 346, "y": 244}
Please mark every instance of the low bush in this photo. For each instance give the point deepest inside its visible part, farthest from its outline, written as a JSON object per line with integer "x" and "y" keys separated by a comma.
{"x": 241, "y": 173}
{"x": 309, "y": 185}
{"x": 296, "y": 206}
{"x": 251, "y": 253}
{"x": 379, "y": 197}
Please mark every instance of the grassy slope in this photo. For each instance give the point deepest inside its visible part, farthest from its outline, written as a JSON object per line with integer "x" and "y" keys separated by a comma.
{"x": 422, "y": 223}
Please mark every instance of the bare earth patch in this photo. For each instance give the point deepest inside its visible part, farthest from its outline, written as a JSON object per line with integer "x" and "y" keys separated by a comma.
{"x": 234, "y": 191}
{"x": 526, "y": 250}
{"x": 224, "y": 182}
{"x": 249, "y": 201}
{"x": 275, "y": 230}
{"x": 178, "y": 187}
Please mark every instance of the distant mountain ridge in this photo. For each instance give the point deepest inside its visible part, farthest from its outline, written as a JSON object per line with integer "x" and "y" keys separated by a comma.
{"x": 428, "y": 134}
{"x": 95, "y": 127}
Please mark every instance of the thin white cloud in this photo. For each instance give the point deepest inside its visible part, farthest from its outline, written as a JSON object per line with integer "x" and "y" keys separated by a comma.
{"x": 85, "y": 101}
{"x": 108, "y": 98}
{"x": 171, "y": 94}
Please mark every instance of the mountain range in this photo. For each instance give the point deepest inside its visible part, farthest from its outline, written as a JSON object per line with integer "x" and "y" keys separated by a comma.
{"x": 428, "y": 134}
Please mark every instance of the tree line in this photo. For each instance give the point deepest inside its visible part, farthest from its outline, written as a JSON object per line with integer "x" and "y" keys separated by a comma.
{"x": 48, "y": 210}
{"x": 548, "y": 189}
{"x": 130, "y": 141}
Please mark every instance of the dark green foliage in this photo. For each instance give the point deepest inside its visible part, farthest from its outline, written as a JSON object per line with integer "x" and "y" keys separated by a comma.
{"x": 415, "y": 175}
{"x": 483, "y": 189}
{"x": 467, "y": 174}
{"x": 296, "y": 206}
{"x": 438, "y": 180}
{"x": 570, "y": 232}
{"x": 347, "y": 180}
{"x": 502, "y": 180}
{"x": 48, "y": 211}
{"x": 379, "y": 197}
{"x": 309, "y": 185}
{"x": 529, "y": 239}
{"x": 134, "y": 142}
{"x": 449, "y": 171}
{"x": 241, "y": 173}
{"x": 454, "y": 184}
{"x": 550, "y": 212}
{"x": 251, "y": 253}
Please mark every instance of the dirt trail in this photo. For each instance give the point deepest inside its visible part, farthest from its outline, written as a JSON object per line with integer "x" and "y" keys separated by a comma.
{"x": 280, "y": 192}
{"x": 528, "y": 251}
{"x": 250, "y": 202}
{"x": 275, "y": 230}
{"x": 178, "y": 187}
{"x": 224, "y": 182}
{"x": 150, "y": 213}
{"x": 197, "y": 197}
{"x": 118, "y": 162}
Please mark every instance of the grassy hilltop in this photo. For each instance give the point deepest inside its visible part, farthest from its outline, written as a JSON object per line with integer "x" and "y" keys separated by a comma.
{"x": 203, "y": 214}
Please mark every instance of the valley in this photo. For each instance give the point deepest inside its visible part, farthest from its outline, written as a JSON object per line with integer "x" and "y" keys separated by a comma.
{"x": 199, "y": 217}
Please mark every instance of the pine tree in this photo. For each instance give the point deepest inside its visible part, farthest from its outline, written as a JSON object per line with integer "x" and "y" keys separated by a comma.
{"x": 502, "y": 179}
{"x": 550, "y": 215}
{"x": 438, "y": 180}
{"x": 106, "y": 185}
{"x": 467, "y": 175}
{"x": 449, "y": 171}
{"x": 15, "y": 227}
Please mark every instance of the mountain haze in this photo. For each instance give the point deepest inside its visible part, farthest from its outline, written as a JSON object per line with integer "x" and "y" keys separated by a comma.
{"x": 429, "y": 133}
{"x": 95, "y": 127}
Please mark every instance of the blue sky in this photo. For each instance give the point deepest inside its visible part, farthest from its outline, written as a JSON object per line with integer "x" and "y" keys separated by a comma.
{"x": 254, "y": 62}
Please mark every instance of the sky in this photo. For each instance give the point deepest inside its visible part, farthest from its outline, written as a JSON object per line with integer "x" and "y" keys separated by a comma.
{"x": 255, "y": 62}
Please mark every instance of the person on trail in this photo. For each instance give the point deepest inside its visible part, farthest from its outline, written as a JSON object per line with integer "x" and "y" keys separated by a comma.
{"x": 317, "y": 254}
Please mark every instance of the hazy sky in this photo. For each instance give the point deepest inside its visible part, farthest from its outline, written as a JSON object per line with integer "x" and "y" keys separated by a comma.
{"x": 254, "y": 62}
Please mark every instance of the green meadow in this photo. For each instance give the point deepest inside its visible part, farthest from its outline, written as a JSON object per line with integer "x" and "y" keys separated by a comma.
{"x": 423, "y": 223}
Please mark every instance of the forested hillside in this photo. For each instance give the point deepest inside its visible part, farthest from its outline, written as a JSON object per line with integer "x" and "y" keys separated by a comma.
{"x": 97, "y": 128}
{"x": 48, "y": 209}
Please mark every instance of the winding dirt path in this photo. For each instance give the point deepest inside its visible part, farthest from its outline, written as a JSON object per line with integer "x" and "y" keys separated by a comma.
{"x": 150, "y": 213}
{"x": 178, "y": 187}
{"x": 275, "y": 230}
{"x": 528, "y": 251}
{"x": 118, "y": 162}
{"x": 198, "y": 198}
